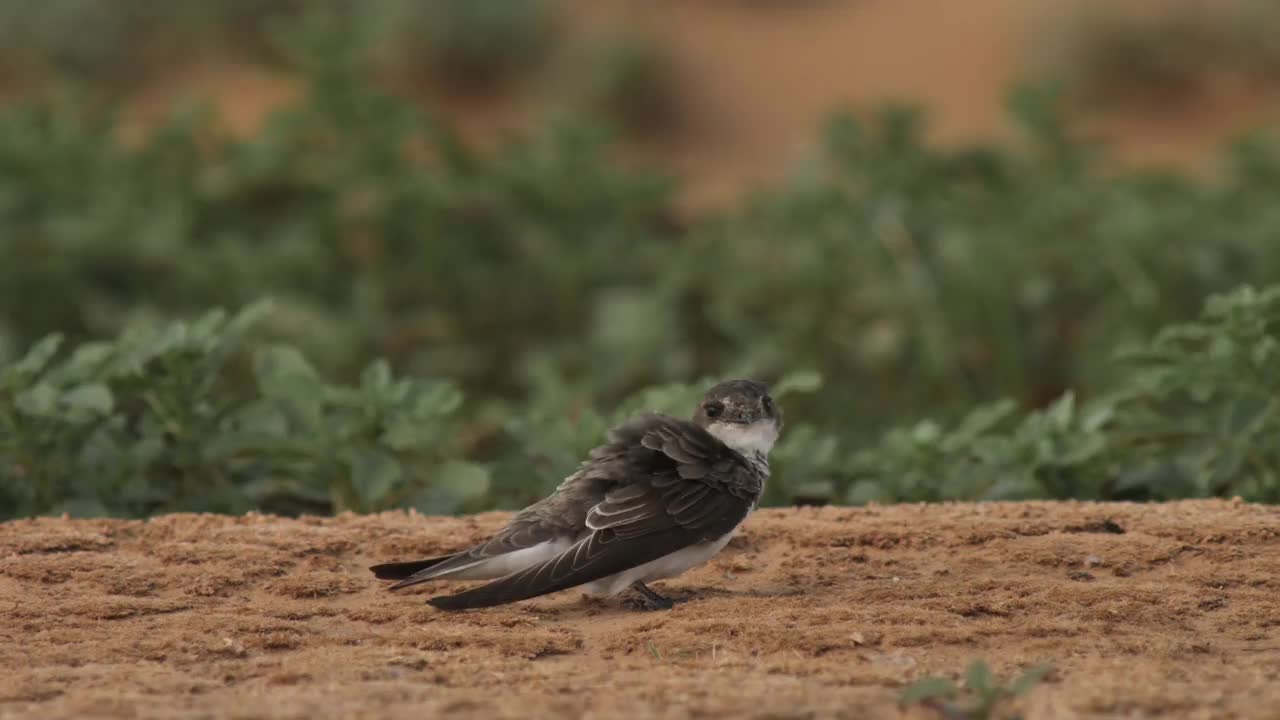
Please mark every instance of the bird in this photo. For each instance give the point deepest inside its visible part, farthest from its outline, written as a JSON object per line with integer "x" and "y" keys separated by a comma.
{"x": 660, "y": 496}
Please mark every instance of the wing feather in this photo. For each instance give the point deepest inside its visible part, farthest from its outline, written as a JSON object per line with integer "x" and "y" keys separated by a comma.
{"x": 683, "y": 497}
{"x": 673, "y": 485}
{"x": 594, "y": 557}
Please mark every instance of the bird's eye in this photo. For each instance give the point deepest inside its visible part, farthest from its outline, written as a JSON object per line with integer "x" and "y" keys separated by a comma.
{"x": 713, "y": 408}
{"x": 767, "y": 404}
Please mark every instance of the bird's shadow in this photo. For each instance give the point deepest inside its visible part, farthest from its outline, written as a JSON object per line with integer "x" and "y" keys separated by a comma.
{"x": 632, "y": 604}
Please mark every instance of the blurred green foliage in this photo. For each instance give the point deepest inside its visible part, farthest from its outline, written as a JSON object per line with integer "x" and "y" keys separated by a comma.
{"x": 477, "y": 43}
{"x": 160, "y": 420}
{"x": 1196, "y": 414}
{"x": 984, "y": 694}
{"x": 625, "y": 78}
{"x": 1122, "y": 53}
{"x": 887, "y": 284}
{"x": 468, "y": 43}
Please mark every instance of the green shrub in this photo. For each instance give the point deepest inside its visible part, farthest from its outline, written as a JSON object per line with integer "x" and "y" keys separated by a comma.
{"x": 159, "y": 421}
{"x": 456, "y": 266}
{"x": 82, "y": 37}
{"x": 1117, "y": 54}
{"x": 1197, "y": 415}
{"x": 931, "y": 280}
{"x": 550, "y": 283}
{"x": 469, "y": 43}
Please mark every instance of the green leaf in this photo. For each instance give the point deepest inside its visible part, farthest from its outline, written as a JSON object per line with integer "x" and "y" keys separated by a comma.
{"x": 978, "y": 676}
{"x": 238, "y": 444}
{"x": 374, "y": 474}
{"x": 927, "y": 689}
{"x": 452, "y": 484}
{"x": 433, "y": 399}
{"x": 283, "y": 374}
{"x": 376, "y": 377}
{"x": 88, "y": 399}
{"x": 247, "y": 317}
{"x": 405, "y": 435}
{"x": 1083, "y": 448}
{"x": 799, "y": 381}
{"x": 282, "y": 371}
{"x": 671, "y": 398}
{"x": 415, "y": 421}
{"x": 85, "y": 363}
{"x": 1245, "y": 414}
{"x": 1265, "y": 351}
{"x": 863, "y": 492}
{"x": 1063, "y": 410}
{"x": 40, "y": 400}
{"x": 462, "y": 480}
{"x": 1201, "y": 390}
{"x": 977, "y": 423}
{"x": 1097, "y": 416}
{"x": 926, "y": 433}
{"x": 1029, "y": 679}
{"x": 34, "y": 361}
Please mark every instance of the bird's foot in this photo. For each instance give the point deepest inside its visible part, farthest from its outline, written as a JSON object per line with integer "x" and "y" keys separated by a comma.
{"x": 650, "y": 600}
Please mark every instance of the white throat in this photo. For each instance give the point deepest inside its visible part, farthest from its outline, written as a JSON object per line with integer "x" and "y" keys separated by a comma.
{"x": 752, "y": 440}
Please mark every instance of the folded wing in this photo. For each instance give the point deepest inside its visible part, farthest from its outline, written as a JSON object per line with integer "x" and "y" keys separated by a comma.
{"x": 679, "y": 486}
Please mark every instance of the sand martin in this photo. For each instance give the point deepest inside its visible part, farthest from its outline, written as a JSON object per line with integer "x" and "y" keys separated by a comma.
{"x": 661, "y": 496}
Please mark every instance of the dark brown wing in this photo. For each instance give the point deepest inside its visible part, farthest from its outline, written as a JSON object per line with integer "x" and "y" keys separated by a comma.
{"x": 673, "y": 485}
{"x": 405, "y": 570}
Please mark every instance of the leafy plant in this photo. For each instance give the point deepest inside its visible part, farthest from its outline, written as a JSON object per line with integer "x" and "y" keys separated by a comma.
{"x": 984, "y": 691}
{"x": 970, "y": 297}
{"x": 1203, "y": 408}
{"x": 1116, "y": 53}
{"x": 469, "y": 43}
{"x": 155, "y": 422}
{"x": 1197, "y": 416}
{"x": 74, "y": 36}
{"x": 931, "y": 281}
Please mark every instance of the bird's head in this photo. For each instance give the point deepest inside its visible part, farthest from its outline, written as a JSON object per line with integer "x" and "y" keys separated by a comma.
{"x": 740, "y": 414}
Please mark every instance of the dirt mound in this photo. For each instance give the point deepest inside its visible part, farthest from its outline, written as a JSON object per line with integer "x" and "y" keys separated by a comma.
{"x": 1142, "y": 609}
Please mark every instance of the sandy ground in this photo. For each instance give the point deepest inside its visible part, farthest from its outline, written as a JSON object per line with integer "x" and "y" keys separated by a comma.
{"x": 1159, "y": 610}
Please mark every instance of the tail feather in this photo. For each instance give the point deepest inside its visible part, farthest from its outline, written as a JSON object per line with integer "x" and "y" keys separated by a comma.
{"x": 403, "y": 570}
{"x": 420, "y": 571}
{"x": 592, "y": 558}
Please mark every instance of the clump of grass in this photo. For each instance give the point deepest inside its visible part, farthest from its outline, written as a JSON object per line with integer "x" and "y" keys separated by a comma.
{"x": 982, "y": 692}
{"x": 1115, "y": 54}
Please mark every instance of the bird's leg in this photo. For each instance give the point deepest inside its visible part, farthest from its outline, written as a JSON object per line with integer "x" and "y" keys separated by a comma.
{"x": 653, "y": 600}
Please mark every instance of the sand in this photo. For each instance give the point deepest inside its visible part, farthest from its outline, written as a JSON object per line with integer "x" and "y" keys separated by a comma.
{"x": 1166, "y": 610}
